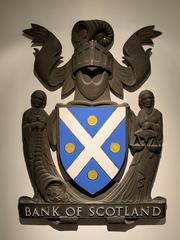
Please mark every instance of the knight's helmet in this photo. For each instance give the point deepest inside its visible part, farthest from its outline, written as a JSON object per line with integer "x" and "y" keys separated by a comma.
{"x": 92, "y": 41}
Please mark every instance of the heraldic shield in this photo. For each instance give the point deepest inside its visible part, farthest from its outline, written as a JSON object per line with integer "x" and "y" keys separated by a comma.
{"x": 92, "y": 145}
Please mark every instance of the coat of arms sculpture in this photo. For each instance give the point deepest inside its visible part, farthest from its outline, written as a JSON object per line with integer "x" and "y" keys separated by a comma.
{"x": 91, "y": 134}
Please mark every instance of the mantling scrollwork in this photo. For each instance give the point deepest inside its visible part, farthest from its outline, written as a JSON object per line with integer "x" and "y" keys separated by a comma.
{"x": 92, "y": 71}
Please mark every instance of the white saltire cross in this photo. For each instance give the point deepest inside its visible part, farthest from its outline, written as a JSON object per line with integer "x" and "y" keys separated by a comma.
{"x": 92, "y": 145}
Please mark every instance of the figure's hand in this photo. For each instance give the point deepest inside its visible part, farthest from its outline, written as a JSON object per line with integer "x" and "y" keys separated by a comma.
{"x": 146, "y": 125}
{"x": 39, "y": 125}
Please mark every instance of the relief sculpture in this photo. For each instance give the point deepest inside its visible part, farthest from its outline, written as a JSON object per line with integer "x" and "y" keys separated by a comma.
{"x": 92, "y": 135}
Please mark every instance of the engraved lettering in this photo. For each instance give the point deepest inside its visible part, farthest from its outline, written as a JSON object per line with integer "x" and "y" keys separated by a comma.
{"x": 27, "y": 211}
{"x": 119, "y": 210}
{"x": 91, "y": 211}
{"x": 156, "y": 211}
{"x": 55, "y": 213}
{"x": 98, "y": 211}
{"x": 35, "y": 212}
{"x": 70, "y": 212}
{"x": 145, "y": 211}
{"x": 45, "y": 211}
{"x": 110, "y": 211}
{"x": 79, "y": 210}
{"x": 134, "y": 212}
{"x": 126, "y": 211}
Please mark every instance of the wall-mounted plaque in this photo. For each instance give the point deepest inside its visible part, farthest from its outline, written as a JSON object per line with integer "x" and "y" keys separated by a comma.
{"x": 91, "y": 134}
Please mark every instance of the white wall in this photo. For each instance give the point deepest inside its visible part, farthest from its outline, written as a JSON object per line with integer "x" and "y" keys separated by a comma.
{"x": 17, "y": 82}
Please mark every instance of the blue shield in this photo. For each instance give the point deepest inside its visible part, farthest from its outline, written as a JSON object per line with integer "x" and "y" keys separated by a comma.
{"x": 92, "y": 145}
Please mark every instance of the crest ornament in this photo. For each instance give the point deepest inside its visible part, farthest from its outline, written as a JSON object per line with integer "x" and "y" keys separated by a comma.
{"x": 92, "y": 135}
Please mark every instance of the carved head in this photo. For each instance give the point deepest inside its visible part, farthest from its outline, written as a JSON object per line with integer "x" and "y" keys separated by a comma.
{"x": 92, "y": 62}
{"x": 146, "y": 99}
{"x": 38, "y": 99}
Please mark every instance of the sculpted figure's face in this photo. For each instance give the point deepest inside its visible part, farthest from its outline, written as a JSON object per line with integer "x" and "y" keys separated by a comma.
{"x": 37, "y": 100}
{"x": 147, "y": 100}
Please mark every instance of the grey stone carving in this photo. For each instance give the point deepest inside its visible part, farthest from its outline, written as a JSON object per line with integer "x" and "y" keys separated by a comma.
{"x": 146, "y": 146}
{"x": 46, "y": 182}
{"x": 92, "y": 73}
